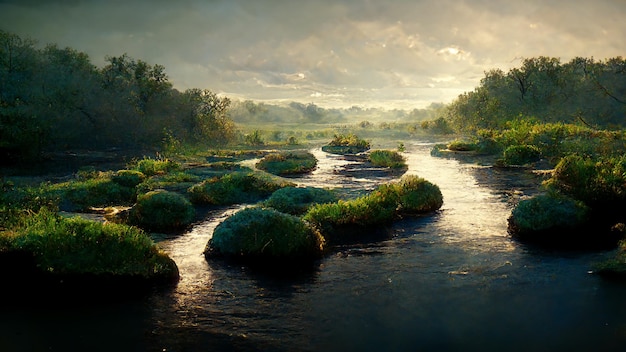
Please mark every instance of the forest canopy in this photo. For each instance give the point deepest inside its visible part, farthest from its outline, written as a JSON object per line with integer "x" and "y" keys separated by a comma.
{"x": 54, "y": 99}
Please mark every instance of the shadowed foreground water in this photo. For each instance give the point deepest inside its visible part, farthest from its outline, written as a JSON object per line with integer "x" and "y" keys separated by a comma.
{"x": 450, "y": 281}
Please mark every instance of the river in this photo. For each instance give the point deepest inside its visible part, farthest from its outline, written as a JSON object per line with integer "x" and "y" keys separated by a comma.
{"x": 449, "y": 281}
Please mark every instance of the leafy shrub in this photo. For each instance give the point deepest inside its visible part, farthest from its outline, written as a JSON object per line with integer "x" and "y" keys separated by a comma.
{"x": 128, "y": 178}
{"x": 297, "y": 200}
{"x": 288, "y": 163}
{"x": 387, "y": 158}
{"x": 161, "y": 211}
{"x": 547, "y": 214}
{"x": 346, "y": 144}
{"x": 237, "y": 187}
{"x": 150, "y": 167}
{"x": 593, "y": 181}
{"x": 264, "y": 233}
{"x": 68, "y": 246}
{"x": 521, "y": 154}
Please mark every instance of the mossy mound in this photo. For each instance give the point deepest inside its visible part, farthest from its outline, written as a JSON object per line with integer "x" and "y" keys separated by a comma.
{"x": 266, "y": 235}
{"x": 162, "y": 210}
{"x": 75, "y": 248}
{"x": 288, "y": 163}
{"x": 521, "y": 154}
{"x": 80, "y": 195}
{"x": 297, "y": 200}
{"x": 237, "y": 187}
{"x": 550, "y": 219}
{"x": 128, "y": 178}
{"x": 411, "y": 195}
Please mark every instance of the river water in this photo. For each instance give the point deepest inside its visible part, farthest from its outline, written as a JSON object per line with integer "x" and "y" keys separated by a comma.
{"x": 449, "y": 281}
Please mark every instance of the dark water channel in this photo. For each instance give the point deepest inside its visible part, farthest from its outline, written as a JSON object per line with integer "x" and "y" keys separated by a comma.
{"x": 452, "y": 281}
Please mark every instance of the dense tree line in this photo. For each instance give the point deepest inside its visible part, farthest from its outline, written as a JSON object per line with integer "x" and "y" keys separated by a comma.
{"x": 54, "y": 99}
{"x": 582, "y": 91}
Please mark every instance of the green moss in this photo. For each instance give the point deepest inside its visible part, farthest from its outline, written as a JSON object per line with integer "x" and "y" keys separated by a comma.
{"x": 162, "y": 210}
{"x": 237, "y": 187}
{"x": 264, "y": 233}
{"x": 297, "y": 200}
{"x": 417, "y": 195}
{"x": 70, "y": 246}
{"x": 288, "y": 163}
{"x": 387, "y": 158}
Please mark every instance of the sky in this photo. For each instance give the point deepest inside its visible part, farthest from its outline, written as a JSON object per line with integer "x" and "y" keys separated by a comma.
{"x": 333, "y": 53}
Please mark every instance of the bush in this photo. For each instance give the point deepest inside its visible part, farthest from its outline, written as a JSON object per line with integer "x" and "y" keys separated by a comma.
{"x": 297, "y": 200}
{"x": 128, "y": 178}
{"x": 70, "y": 246}
{"x": 462, "y": 146}
{"x": 288, "y": 163}
{"x": 162, "y": 211}
{"x": 547, "y": 215}
{"x": 237, "y": 187}
{"x": 416, "y": 195}
{"x": 597, "y": 182}
{"x": 256, "y": 233}
{"x": 521, "y": 154}
{"x": 387, "y": 158}
{"x": 346, "y": 144}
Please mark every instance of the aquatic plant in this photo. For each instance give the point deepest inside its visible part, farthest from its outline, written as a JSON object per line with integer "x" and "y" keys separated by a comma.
{"x": 256, "y": 233}
{"x": 161, "y": 210}
{"x": 236, "y": 187}
{"x": 462, "y": 146}
{"x": 74, "y": 246}
{"x": 297, "y": 200}
{"x": 387, "y": 158}
{"x": 288, "y": 163}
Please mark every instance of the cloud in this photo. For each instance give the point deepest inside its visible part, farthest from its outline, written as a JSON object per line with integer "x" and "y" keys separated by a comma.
{"x": 342, "y": 53}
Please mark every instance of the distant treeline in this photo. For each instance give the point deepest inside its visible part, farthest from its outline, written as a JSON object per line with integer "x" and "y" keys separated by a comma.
{"x": 258, "y": 112}
{"x": 55, "y": 99}
{"x": 582, "y": 91}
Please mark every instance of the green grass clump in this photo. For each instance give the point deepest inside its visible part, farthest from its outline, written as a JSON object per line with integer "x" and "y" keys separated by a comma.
{"x": 297, "y": 200}
{"x": 162, "y": 210}
{"x": 462, "y": 146}
{"x": 150, "y": 167}
{"x": 79, "y": 195}
{"x": 128, "y": 178}
{"x": 521, "y": 154}
{"x": 346, "y": 144}
{"x": 412, "y": 195}
{"x": 233, "y": 188}
{"x": 176, "y": 181}
{"x": 71, "y": 246}
{"x": 387, "y": 158}
{"x": 288, "y": 163}
{"x": 547, "y": 214}
{"x": 256, "y": 233}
